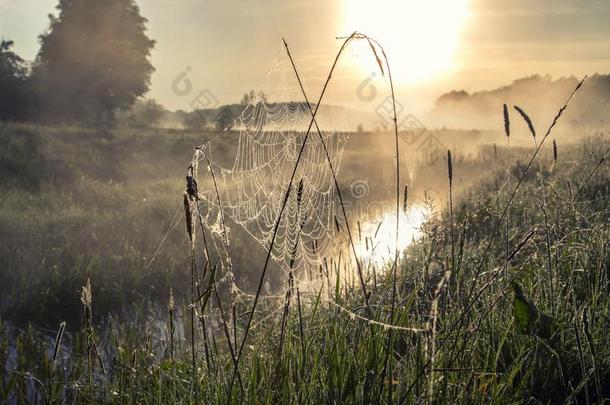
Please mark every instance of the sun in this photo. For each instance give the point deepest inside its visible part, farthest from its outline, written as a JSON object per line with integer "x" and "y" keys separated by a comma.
{"x": 420, "y": 37}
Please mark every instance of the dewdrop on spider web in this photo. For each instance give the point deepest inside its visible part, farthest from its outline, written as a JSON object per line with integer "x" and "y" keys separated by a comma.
{"x": 253, "y": 179}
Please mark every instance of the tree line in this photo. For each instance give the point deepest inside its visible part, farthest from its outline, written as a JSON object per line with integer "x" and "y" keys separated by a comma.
{"x": 94, "y": 61}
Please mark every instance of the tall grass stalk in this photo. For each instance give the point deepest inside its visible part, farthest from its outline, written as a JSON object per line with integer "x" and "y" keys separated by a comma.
{"x": 372, "y": 42}
{"x": 283, "y": 206}
{"x": 472, "y": 297}
{"x": 544, "y": 206}
{"x": 452, "y": 227}
{"x": 290, "y": 289}
{"x": 591, "y": 347}
{"x": 58, "y": 338}
{"x": 190, "y": 230}
{"x": 331, "y": 167}
{"x": 87, "y": 299}
{"x": 581, "y": 358}
{"x": 171, "y": 305}
{"x": 508, "y": 173}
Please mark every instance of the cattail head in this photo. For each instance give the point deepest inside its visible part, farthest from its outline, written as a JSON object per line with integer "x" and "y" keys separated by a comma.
{"x": 527, "y": 120}
{"x": 554, "y": 151}
{"x": 191, "y": 183}
{"x": 506, "y": 121}
{"x": 300, "y": 193}
{"x": 404, "y": 199}
{"x": 449, "y": 168}
{"x": 188, "y": 215}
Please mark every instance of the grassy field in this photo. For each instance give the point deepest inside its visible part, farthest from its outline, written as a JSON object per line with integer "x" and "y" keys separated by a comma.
{"x": 491, "y": 308}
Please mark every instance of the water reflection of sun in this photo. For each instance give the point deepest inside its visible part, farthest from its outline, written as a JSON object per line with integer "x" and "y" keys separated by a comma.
{"x": 377, "y": 245}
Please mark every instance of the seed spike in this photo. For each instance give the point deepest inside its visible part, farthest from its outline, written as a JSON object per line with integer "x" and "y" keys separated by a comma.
{"x": 377, "y": 58}
{"x": 449, "y": 167}
{"x": 506, "y": 121}
{"x": 188, "y": 215}
{"x": 527, "y": 120}
{"x": 300, "y": 193}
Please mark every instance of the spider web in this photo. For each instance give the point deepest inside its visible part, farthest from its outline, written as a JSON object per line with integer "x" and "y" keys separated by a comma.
{"x": 250, "y": 189}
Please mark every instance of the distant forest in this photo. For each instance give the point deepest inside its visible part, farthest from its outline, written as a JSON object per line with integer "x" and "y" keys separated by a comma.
{"x": 539, "y": 95}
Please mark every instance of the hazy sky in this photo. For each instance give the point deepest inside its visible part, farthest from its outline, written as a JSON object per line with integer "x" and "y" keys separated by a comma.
{"x": 435, "y": 45}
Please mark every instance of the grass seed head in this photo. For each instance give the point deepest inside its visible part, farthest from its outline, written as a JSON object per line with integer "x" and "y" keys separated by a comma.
{"x": 85, "y": 295}
{"x": 300, "y": 193}
{"x": 527, "y": 120}
{"x": 449, "y": 168}
{"x": 188, "y": 215}
{"x": 506, "y": 121}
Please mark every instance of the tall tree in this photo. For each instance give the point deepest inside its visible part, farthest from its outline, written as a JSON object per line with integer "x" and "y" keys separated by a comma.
{"x": 13, "y": 75}
{"x": 93, "y": 60}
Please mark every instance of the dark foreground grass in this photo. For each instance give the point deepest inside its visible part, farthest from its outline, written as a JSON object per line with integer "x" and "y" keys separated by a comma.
{"x": 527, "y": 328}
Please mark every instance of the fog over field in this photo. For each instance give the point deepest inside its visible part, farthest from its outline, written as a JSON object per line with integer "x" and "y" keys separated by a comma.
{"x": 321, "y": 202}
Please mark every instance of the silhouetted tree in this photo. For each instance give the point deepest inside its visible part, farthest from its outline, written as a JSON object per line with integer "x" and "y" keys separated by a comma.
{"x": 93, "y": 60}
{"x": 194, "y": 120}
{"x": 253, "y": 97}
{"x": 145, "y": 113}
{"x": 248, "y": 98}
{"x": 13, "y": 83}
{"x": 224, "y": 118}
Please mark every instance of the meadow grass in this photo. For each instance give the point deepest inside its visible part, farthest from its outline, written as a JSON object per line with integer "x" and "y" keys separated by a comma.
{"x": 485, "y": 349}
{"x": 503, "y": 299}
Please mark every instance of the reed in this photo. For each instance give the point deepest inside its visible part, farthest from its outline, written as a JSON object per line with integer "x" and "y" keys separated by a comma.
{"x": 591, "y": 348}
{"x": 472, "y": 296}
{"x": 171, "y": 326}
{"x": 452, "y": 226}
{"x": 508, "y": 166}
{"x": 544, "y": 205}
{"x": 87, "y": 301}
{"x": 190, "y": 231}
{"x": 327, "y": 155}
{"x": 58, "y": 338}
{"x": 581, "y": 358}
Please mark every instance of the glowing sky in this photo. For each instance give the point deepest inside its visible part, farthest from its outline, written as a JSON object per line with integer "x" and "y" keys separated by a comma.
{"x": 436, "y": 45}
